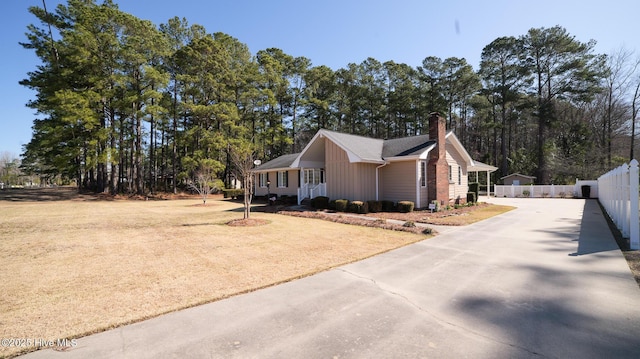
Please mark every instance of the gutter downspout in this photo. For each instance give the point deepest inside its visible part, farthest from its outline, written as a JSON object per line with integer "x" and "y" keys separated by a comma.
{"x": 378, "y": 181}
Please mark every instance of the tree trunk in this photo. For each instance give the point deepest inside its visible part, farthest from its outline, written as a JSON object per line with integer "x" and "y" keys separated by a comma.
{"x": 174, "y": 146}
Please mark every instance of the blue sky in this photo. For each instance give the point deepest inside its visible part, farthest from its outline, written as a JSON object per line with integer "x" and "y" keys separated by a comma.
{"x": 334, "y": 33}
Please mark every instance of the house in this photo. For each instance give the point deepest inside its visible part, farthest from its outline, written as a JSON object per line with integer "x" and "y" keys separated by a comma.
{"x": 421, "y": 169}
{"x": 517, "y": 179}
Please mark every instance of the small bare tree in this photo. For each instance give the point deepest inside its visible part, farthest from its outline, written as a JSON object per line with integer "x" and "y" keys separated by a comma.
{"x": 243, "y": 155}
{"x": 205, "y": 181}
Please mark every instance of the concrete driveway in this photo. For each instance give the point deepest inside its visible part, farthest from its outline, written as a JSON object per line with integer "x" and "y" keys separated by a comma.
{"x": 545, "y": 280}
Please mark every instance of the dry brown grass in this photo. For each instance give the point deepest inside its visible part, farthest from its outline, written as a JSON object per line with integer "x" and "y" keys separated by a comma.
{"x": 75, "y": 267}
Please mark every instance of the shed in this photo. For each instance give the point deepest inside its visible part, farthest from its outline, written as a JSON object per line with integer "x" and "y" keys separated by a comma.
{"x": 517, "y": 179}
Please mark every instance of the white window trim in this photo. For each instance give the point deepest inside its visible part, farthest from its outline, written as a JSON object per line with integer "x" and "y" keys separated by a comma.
{"x": 282, "y": 179}
{"x": 262, "y": 179}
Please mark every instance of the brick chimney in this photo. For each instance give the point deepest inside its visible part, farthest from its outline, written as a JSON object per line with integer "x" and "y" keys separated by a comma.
{"x": 437, "y": 167}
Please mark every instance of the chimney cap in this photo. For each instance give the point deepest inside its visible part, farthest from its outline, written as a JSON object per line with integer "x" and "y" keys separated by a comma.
{"x": 435, "y": 114}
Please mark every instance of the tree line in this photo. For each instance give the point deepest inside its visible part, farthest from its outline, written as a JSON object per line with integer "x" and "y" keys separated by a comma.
{"x": 130, "y": 107}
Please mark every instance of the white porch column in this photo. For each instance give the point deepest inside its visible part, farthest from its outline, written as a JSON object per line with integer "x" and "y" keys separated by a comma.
{"x": 488, "y": 184}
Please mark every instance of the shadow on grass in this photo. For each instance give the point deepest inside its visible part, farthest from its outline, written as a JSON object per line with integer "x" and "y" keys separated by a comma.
{"x": 49, "y": 194}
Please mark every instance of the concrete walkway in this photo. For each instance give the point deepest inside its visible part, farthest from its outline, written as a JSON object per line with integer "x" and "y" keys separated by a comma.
{"x": 545, "y": 280}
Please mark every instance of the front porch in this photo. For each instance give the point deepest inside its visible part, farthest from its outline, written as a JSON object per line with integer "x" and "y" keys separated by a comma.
{"x": 312, "y": 184}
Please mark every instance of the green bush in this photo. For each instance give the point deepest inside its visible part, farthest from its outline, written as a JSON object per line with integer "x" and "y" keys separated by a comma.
{"x": 405, "y": 206}
{"x": 233, "y": 193}
{"x": 388, "y": 206}
{"x": 341, "y": 205}
{"x": 358, "y": 207}
{"x": 471, "y": 197}
{"x": 332, "y": 205}
{"x": 320, "y": 202}
{"x": 375, "y": 206}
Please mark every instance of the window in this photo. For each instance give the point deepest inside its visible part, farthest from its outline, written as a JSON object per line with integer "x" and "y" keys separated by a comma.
{"x": 450, "y": 174}
{"x": 283, "y": 179}
{"x": 423, "y": 173}
{"x": 313, "y": 176}
{"x": 459, "y": 175}
{"x": 263, "y": 179}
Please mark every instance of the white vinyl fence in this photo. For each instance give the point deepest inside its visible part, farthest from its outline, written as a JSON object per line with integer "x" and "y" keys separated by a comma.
{"x": 533, "y": 191}
{"x": 619, "y": 196}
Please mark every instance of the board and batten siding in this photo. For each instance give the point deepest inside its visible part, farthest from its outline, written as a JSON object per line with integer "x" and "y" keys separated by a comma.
{"x": 398, "y": 181}
{"x": 457, "y": 190}
{"x": 345, "y": 180}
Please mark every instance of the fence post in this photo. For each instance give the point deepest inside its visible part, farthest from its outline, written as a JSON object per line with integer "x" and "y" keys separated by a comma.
{"x": 634, "y": 237}
{"x": 626, "y": 202}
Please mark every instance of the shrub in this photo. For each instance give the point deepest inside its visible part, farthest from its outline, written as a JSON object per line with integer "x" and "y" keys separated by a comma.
{"x": 332, "y": 205}
{"x": 388, "y": 206}
{"x": 427, "y": 231}
{"x": 320, "y": 202}
{"x": 375, "y": 206}
{"x": 562, "y": 195}
{"x": 358, "y": 207}
{"x": 233, "y": 193}
{"x": 405, "y": 206}
{"x": 471, "y": 197}
{"x": 474, "y": 187}
{"x": 409, "y": 224}
{"x": 341, "y": 205}
{"x": 288, "y": 200}
{"x": 526, "y": 193}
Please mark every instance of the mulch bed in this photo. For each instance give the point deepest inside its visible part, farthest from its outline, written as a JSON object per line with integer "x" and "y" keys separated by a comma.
{"x": 428, "y": 217}
{"x": 351, "y": 219}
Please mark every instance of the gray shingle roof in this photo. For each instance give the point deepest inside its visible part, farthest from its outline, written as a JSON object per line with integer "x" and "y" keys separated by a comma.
{"x": 406, "y": 146}
{"x": 366, "y": 148}
{"x": 284, "y": 161}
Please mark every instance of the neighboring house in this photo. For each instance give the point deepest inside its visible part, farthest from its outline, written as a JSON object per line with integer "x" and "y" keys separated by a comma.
{"x": 421, "y": 168}
{"x": 517, "y": 179}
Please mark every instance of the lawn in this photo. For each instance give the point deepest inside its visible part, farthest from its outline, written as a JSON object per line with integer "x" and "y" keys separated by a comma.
{"x": 75, "y": 265}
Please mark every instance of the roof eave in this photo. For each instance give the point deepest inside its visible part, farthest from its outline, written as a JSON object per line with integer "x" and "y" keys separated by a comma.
{"x": 460, "y": 148}
{"x": 256, "y": 170}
